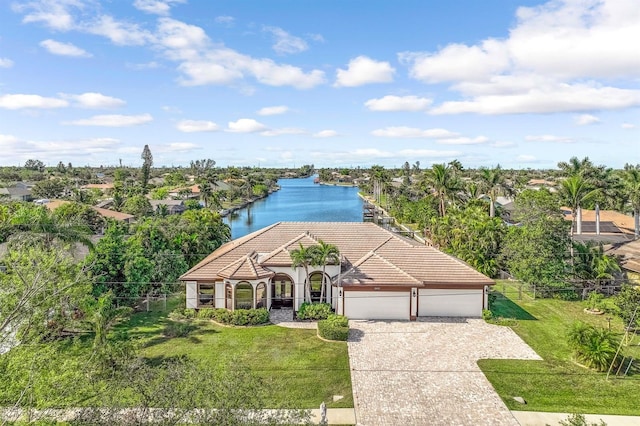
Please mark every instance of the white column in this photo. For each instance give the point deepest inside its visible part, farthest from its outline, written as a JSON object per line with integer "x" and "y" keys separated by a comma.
{"x": 579, "y": 221}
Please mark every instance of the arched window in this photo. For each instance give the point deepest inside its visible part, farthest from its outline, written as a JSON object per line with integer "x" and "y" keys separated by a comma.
{"x": 282, "y": 291}
{"x": 316, "y": 286}
{"x": 244, "y": 295}
{"x": 261, "y": 295}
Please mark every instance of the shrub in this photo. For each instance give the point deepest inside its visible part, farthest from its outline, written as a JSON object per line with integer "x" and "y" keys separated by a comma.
{"x": 178, "y": 329}
{"x": 576, "y": 419}
{"x": 568, "y": 295}
{"x": 595, "y": 301}
{"x": 487, "y": 314}
{"x": 206, "y": 313}
{"x": 626, "y": 301}
{"x": 594, "y": 347}
{"x": 314, "y": 311}
{"x": 237, "y": 317}
{"x": 335, "y": 327}
{"x": 189, "y": 313}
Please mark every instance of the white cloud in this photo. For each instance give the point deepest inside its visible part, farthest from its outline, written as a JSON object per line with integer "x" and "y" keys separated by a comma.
{"x": 525, "y": 158}
{"x": 112, "y": 120}
{"x": 20, "y": 101}
{"x": 325, "y": 134}
{"x": 191, "y": 126}
{"x": 398, "y": 103}
{"x": 273, "y": 110}
{"x": 284, "y": 131}
{"x": 550, "y": 62}
{"x": 144, "y": 66}
{"x": 6, "y": 63}
{"x": 286, "y": 43}
{"x": 548, "y": 138}
{"x": 412, "y": 132}
{"x": 363, "y": 70}
{"x": 176, "y": 147}
{"x": 370, "y": 155}
{"x": 502, "y": 144}
{"x": 225, "y": 19}
{"x": 628, "y": 126}
{"x": 560, "y": 97}
{"x": 94, "y": 100}
{"x": 56, "y": 14}
{"x": 245, "y": 125}
{"x": 316, "y": 37}
{"x": 463, "y": 140}
{"x": 156, "y": 7}
{"x": 51, "y": 151}
{"x": 428, "y": 153}
{"x": 119, "y": 32}
{"x": 458, "y": 62}
{"x": 586, "y": 119}
{"x": 64, "y": 49}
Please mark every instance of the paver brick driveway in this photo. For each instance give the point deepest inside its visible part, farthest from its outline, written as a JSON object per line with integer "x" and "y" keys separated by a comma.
{"x": 425, "y": 372}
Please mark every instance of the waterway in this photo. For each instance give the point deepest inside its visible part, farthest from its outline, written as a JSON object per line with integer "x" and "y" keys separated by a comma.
{"x": 298, "y": 200}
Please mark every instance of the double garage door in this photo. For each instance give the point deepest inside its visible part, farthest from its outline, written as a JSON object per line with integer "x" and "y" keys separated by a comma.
{"x": 396, "y": 305}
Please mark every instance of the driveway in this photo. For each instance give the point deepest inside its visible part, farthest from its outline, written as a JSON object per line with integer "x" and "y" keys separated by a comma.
{"x": 425, "y": 372}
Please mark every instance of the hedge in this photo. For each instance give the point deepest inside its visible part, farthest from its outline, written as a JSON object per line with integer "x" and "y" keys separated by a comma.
{"x": 221, "y": 315}
{"x": 314, "y": 311}
{"x": 335, "y": 327}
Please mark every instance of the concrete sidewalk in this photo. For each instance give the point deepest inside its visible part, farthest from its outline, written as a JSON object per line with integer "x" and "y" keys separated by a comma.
{"x": 336, "y": 416}
{"x": 537, "y": 418}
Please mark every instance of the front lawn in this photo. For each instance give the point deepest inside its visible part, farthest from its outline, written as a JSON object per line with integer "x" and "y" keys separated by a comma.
{"x": 557, "y": 384}
{"x": 301, "y": 370}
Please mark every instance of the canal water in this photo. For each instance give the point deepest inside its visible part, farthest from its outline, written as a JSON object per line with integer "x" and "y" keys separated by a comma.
{"x": 298, "y": 200}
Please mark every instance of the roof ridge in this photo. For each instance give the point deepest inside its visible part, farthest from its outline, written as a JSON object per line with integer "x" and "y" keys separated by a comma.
{"x": 275, "y": 251}
{"x": 232, "y": 244}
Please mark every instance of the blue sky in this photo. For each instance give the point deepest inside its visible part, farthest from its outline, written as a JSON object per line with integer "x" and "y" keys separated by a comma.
{"x": 523, "y": 83}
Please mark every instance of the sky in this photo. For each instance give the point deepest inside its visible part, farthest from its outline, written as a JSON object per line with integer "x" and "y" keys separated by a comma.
{"x": 334, "y": 83}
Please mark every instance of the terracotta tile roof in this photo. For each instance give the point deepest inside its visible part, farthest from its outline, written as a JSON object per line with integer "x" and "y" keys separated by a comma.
{"x": 372, "y": 254}
{"x": 629, "y": 254}
{"x": 245, "y": 268}
{"x": 54, "y": 204}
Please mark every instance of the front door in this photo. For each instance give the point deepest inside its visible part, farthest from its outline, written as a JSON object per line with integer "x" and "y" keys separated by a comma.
{"x": 282, "y": 294}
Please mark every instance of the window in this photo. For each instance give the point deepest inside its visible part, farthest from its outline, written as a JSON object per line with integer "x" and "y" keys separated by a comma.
{"x": 244, "y": 296}
{"x": 206, "y": 295}
{"x": 261, "y": 295}
{"x": 316, "y": 286}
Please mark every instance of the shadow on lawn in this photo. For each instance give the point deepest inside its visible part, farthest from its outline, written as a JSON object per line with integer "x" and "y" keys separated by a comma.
{"x": 506, "y": 308}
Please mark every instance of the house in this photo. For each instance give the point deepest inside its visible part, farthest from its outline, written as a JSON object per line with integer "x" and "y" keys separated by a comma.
{"x": 172, "y": 206}
{"x": 380, "y": 275}
{"x": 123, "y": 217}
{"x": 606, "y": 226}
{"x": 628, "y": 252}
{"x": 16, "y": 193}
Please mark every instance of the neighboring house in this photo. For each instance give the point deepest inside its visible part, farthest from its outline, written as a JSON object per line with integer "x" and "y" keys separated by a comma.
{"x": 173, "y": 206}
{"x": 17, "y": 193}
{"x": 124, "y": 217}
{"x": 608, "y": 226}
{"x": 629, "y": 254}
{"x": 380, "y": 276}
{"x": 104, "y": 187}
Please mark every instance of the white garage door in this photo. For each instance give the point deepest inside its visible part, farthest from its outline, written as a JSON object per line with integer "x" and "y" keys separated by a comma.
{"x": 450, "y": 303}
{"x": 376, "y": 305}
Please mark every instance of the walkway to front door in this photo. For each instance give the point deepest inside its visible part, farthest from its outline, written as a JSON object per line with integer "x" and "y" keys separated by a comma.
{"x": 284, "y": 318}
{"x": 426, "y": 372}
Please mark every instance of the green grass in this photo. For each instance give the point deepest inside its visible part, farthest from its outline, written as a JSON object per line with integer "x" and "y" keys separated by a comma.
{"x": 299, "y": 368}
{"x": 557, "y": 384}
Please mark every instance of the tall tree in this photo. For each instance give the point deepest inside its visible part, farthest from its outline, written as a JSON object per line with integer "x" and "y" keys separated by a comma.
{"x": 303, "y": 257}
{"x": 494, "y": 183}
{"x": 147, "y": 162}
{"x": 325, "y": 254}
{"x": 576, "y": 190}
{"x": 444, "y": 183}
{"x": 631, "y": 182}
{"x": 101, "y": 315}
{"x": 41, "y": 285}
{"x": 200, "y": 168}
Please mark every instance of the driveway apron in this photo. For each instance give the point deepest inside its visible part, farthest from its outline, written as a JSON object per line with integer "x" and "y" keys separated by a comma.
{"x": 426, "y": 372}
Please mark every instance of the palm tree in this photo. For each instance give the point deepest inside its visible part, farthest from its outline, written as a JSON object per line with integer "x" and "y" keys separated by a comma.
{"x": 631, "y": 185}
{"x": 575, "y": 190}
{"x": 325, "y": 254}
{"x": 303, "y": 257}
{"x": 102, "y": 315}
{"x": 206, "y": 192}
{"x": 444, "y": 183}
{"x": 493, "y": 182}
